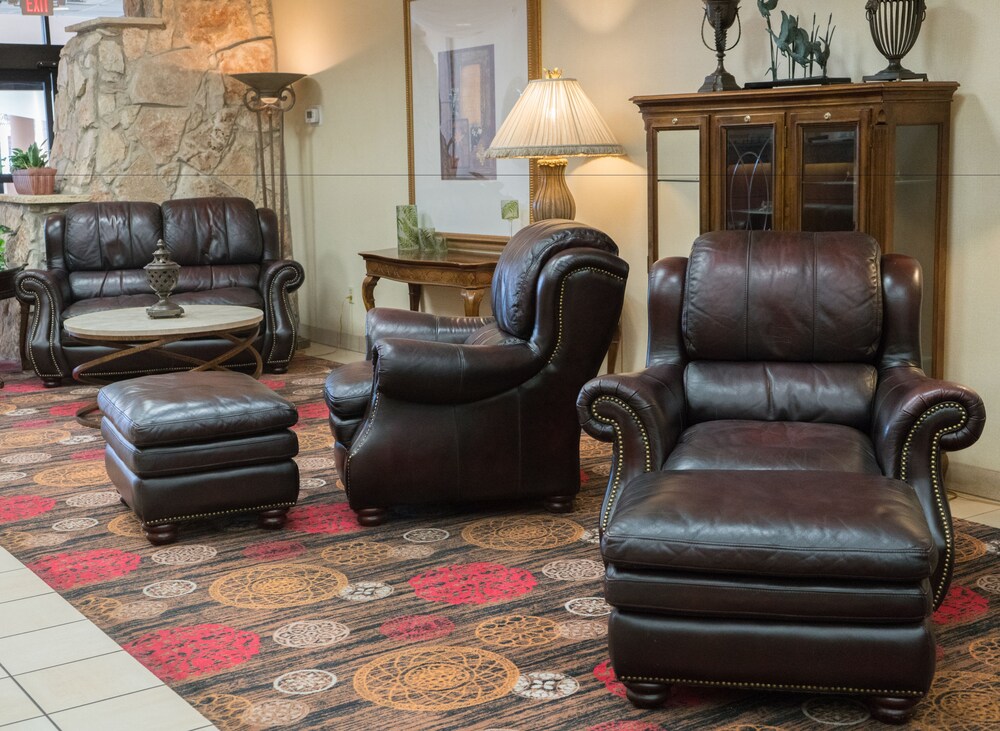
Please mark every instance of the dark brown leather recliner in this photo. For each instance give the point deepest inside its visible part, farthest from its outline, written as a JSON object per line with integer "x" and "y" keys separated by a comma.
{"x": 229, "y": 255}
{"x": 460, "y": 409}
{"x": 777, "y": 478}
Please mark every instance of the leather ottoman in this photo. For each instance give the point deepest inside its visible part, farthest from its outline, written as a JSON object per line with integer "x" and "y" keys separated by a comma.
{"x": 732, "y": 578}
{"x": 183, "y": 446}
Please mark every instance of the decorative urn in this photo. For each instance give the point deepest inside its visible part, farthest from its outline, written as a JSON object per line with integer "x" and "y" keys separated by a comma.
{"x": 895, "y": 25}
{"x": 720, "y": 14}
{"x": 162, "y": 274}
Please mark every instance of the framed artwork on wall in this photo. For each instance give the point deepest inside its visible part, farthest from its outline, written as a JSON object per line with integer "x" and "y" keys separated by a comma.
{"x": 467, "y": 62}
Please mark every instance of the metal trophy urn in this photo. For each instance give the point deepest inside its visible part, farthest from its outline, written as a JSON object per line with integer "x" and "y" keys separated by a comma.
{"x": 162, "y": 274}
{"x": 895, "y": 25}
{"x": 720, "y": 14}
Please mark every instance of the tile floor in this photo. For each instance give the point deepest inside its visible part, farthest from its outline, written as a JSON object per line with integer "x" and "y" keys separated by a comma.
{"x": 58, "y": 671}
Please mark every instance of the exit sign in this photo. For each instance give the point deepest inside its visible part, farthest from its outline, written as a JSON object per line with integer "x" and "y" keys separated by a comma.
{"x": 36, "y": 7}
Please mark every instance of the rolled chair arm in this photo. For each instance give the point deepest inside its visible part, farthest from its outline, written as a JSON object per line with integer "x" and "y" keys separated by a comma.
{"x": 49, "y": 291}
{"x": 386, "y": 322}
{"x": 277, "y": 280}
{"x": 444, "y": 373}
{"x": 916, "y": 418}
{"x": 642, "y": 413}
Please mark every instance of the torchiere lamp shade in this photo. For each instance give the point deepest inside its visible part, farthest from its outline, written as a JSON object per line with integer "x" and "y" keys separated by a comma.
{"x": 552, "y": 120}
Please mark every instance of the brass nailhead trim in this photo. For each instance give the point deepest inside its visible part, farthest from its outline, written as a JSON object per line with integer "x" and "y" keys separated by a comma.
{"x": 620, "y": 445}
{"x": 358, "y": 445}
{"x": 774, "y": 686}
{"x": 52, "y": 330}
{"x": 270, "y": 310}
{"x": 562, "y": 297}
{"x": 938, "y": 488}
{"x": 159, "y": 521}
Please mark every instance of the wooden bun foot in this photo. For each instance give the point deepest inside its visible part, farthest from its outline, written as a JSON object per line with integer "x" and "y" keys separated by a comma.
{"x": 559, "y": 504}
{"x": 160, "y": 534}
{"x": 371, "y": 516}
{"x": 646, "y": 695}
{"x": 892, "y": 709}
{"x": 272, "y": 519}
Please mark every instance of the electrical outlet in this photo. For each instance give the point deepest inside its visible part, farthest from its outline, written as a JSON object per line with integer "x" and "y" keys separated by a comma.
{"x": 350, "y": 296}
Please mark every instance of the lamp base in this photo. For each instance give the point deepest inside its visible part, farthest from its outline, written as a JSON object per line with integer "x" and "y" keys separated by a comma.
{"x": 552, "y": 199}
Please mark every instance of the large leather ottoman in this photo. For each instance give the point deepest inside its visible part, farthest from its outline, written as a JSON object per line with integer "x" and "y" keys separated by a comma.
{"x": 184, "y": 446}
{"x": 771, "y": 580}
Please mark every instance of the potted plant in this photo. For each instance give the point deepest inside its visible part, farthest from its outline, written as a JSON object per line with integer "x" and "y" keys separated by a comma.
{"x": 30, "y": 170}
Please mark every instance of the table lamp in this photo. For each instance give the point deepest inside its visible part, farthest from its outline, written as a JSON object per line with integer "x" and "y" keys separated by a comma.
{"x": 552, "y": 120}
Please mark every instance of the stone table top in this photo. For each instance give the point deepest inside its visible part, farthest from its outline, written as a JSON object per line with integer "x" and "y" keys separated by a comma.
{"x": 132, "y": 323}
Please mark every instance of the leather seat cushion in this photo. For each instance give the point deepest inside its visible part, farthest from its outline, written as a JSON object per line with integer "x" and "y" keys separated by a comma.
{"x": 179, "y": 459}
{"x": 780, "y": 524}
{"x": 348, "y": 389}
{"x": 723, "y": 596}
{"x": 175, "y": 408}
{"x": 779, "y": 445}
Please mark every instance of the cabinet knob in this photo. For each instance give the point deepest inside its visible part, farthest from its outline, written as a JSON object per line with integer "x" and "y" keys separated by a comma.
{"x": 827, "y": 116}
{"x": 746, "y": 118}
{"x": 674, "y": 120}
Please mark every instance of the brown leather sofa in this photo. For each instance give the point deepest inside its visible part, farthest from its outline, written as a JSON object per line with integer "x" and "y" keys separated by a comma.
{"x": 229, "y": 255}
{"x": 777, "y": 491}
{"x": 462, "y": 409}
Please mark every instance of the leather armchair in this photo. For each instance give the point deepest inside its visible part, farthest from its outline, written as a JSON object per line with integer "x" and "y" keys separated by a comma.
{"x": 229, "y": 255}
{"x": 776, "y": 486}
{"x": 458, "y": 409}
{"x": 786, "y": 351}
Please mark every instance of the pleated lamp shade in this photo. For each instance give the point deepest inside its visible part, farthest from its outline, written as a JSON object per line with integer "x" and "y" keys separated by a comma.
{"x": 553, "y": 118}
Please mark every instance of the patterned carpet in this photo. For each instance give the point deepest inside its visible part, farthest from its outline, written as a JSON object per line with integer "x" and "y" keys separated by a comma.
{"x": 485, "y": 618}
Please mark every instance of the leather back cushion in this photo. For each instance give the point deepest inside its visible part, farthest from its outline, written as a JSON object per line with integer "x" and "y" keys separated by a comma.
{"x": 832, "y": 393}
{"x": 516, "y": 277}
{"x": 783, "y": 296}
{"x": 217, "y": 242}
{"x": 211, "y": 231}
{"x": 101, "y": 237}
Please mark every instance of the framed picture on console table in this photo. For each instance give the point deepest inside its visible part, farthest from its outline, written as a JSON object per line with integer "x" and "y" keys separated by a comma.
{"x": 467, "y": 61}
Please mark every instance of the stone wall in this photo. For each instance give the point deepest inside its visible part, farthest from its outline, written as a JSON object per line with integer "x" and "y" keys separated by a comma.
{"x": 144, "y": 109}
{"x": 26, "y": 215}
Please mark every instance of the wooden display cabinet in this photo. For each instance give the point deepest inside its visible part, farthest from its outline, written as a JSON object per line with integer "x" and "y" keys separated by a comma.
{"x": 865, "y": 157}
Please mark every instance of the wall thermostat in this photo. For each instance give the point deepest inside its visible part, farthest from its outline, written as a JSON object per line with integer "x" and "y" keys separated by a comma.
{"x": 314, "y": 115}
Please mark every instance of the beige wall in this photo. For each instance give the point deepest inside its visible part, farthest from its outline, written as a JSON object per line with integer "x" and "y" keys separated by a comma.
{"x": 353, "y": 167}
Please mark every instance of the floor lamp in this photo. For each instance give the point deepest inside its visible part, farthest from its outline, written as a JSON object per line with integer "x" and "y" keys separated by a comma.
{"x": 551, "y": 121}
{"x": 270, "y": 95}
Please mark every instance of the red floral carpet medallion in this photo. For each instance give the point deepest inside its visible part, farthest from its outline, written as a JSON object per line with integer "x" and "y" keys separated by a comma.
{"x": 487, "y": 617}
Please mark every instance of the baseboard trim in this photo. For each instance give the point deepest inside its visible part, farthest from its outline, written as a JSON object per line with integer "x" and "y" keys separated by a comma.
{"x": 973, "y": 480}
{"x": 333, "y": 338}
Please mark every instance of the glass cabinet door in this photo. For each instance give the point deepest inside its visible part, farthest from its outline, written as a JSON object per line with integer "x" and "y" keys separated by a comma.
{"x": 915, "y": 218}
{"x": 748, "y": 193}
{"x": 678, "y": 190}
{"x": 825, "y": 161}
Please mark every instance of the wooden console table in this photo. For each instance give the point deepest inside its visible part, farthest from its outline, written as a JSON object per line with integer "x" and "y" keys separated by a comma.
{"x": 470, "y": 271}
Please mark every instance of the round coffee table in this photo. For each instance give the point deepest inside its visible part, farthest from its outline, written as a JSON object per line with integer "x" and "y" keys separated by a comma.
{"x": 131, "y": 331}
